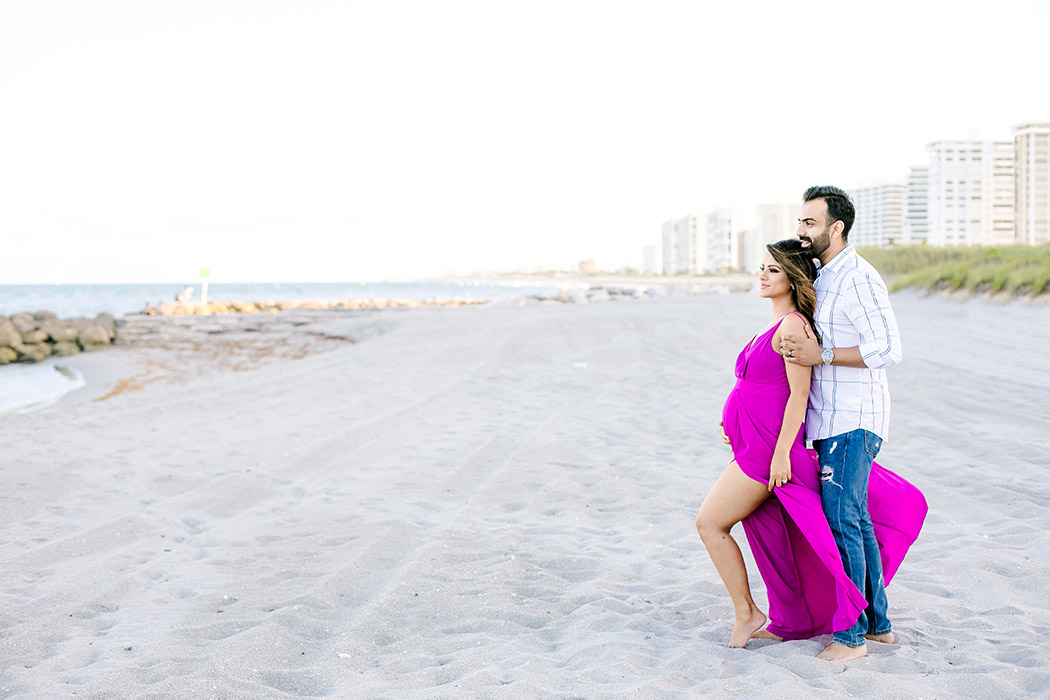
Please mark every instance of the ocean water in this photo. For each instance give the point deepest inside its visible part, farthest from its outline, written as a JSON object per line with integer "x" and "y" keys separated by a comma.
{"x": 32, "y": 387}
{"x": 69, "y": 300}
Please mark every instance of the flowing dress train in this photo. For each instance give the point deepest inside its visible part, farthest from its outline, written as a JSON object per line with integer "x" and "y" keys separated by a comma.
{"x": 809, "y": 593}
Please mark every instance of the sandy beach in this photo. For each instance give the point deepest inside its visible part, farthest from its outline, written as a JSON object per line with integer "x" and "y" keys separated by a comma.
{"x": 495, "y": 502}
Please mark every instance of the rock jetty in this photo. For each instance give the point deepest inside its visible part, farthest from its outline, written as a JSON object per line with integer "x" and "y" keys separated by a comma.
{"x": 615, "y": 292}
{"x": 178, "y": 308}
{"x": 35, "y": 337}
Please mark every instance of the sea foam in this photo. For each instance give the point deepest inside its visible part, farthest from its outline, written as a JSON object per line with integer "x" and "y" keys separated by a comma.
{"x": 26, "y": 388}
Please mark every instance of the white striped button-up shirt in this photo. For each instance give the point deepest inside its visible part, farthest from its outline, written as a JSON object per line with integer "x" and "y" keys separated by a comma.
{"x": 853, "y": 310}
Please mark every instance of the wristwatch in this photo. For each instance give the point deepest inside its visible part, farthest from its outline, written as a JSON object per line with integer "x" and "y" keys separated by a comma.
{"x": 828, "y": 356}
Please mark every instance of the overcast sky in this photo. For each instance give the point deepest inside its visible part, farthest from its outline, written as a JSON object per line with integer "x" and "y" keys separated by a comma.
{"x": 351, "y": 141}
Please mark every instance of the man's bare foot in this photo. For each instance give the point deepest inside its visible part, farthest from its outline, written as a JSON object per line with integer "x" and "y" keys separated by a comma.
{"x": 886, "y": 638}
{"x": 766, "y": 634}
{"x": 841, "y": 652}
{"x": 744, "y": 629}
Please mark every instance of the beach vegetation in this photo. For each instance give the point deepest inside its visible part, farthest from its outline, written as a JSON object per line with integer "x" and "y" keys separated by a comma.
{"x": 1015, "y": 269}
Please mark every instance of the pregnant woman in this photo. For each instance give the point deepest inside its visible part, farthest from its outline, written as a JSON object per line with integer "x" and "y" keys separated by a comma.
{"x": 773, "y": 482}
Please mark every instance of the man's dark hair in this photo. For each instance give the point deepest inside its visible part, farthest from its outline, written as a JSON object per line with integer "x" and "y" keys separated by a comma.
{"x": 840, "y": 206}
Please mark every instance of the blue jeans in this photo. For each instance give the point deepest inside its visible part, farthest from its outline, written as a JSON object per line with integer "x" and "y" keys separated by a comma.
{"x": 845, "y": 465}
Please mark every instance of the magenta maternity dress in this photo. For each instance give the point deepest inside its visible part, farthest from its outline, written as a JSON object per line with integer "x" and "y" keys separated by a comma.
{"x": 809, "y": 593}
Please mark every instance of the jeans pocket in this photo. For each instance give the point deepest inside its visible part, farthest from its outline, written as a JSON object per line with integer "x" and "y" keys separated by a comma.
{"x": 872, "y": 444}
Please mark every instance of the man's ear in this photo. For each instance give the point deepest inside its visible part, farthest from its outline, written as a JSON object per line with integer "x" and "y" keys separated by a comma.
{"x": 837, "y": 227}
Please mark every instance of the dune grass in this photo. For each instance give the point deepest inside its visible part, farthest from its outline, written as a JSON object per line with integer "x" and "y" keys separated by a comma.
{"x": 1019, "y": 270}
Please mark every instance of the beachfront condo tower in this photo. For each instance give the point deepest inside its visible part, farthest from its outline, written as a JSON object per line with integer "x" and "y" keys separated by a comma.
{"x": 681, "y": 254}
{"x": 1032, "y": 189}
{"x": 916, "y": 206}
{"x": 720, "y": 243}
{"x": 971, "y": 193}
{"x": 881, "y": 214}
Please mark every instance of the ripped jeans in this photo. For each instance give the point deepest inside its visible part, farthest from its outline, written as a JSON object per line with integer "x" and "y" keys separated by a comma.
{"x": 845, "y": 465}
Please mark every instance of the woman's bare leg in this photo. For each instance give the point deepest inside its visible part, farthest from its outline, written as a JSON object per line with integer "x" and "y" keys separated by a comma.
{"x": 734, "y": 497}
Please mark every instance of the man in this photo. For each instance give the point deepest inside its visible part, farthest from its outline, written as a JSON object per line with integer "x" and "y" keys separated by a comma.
{"x": 849, "y": 403}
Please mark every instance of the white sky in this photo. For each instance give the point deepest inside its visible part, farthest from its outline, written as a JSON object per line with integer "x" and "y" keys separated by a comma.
{"x": 341, "y": 141}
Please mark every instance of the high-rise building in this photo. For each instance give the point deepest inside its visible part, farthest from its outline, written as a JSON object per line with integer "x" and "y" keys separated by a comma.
{"x": 720, "y": 242}
{"x": 880, "y": 215}
{"x": 1032, "y": 186}
{"x": 916, "y": 205}
{"x": 686, "y": 250}
{"x": 775, "y": 223}
{"x": 971, "y": 193}
{"x": 680, "y": 248}
{"x": 667, "y": 246}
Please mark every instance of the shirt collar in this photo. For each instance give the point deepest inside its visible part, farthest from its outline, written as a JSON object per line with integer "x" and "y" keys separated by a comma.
{"x": 839, "y": 260}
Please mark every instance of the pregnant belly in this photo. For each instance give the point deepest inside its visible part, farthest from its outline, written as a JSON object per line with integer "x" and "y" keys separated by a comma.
{"x": 752, "y": 417}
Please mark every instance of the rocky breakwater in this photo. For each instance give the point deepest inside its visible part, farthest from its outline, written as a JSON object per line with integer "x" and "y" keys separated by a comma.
{"x": 177, "y": 308}
{"x": 672, "y": 287}
{"x": 35, "y": 337}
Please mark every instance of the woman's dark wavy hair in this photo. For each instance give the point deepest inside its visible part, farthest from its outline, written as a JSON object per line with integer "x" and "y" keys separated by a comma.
{"x": 798, "y": 263}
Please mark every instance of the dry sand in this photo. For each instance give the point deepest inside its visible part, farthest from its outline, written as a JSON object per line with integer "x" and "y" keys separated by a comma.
{"x": 495, "y": 502}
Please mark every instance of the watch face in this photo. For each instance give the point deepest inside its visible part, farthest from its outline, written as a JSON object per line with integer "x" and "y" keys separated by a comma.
{"x": 828, "y": 356}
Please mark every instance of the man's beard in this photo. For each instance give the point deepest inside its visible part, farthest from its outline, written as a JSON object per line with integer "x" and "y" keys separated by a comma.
{"x": 819, "y": 243}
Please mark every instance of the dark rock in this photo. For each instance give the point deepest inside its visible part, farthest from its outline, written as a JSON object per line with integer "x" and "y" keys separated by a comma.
{"x": 107, "y": 321}
{"x": 93, "y": 338}
{"x": 24, "y": 322}
{"x": 59, "y": 330}
{"x": 34, "y": 336}
{"x": 9, "y": 336}
{"x": 34, "y": 352}
{"x": 65, "y": 348}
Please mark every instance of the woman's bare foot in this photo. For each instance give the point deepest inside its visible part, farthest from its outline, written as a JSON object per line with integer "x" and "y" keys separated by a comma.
{"x": 744, "y": 629}
{"x": 841, "y": 652}
{"x": 766, "y": 634}
{"x": 886, "y": 638}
